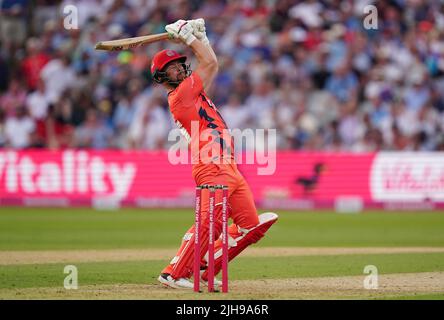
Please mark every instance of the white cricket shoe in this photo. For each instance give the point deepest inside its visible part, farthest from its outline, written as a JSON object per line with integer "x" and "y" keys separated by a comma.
{"x": 181, "y": 283}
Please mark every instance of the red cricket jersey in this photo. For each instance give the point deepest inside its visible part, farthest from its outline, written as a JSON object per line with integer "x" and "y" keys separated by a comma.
{"x": 201, "y": 123}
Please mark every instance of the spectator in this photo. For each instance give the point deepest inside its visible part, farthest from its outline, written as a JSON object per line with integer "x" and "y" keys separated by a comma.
{"x": 33, "y": 63}
{"x": 12, "y": 22}
{"x": 57, "y": 132}
{"x": 343, "y": 84}
{"x": 58, "y": 76}
{"x": 437, "y": 100}
{"x": 125, "y": 112}
{"x": 351, "y": 127}
{"x": 262, "y": 99}
{"x": 234, "y": 113}
{"x": 2, "y": 129}
{"x": 150, "y": 127}
{"x": 155, "y": 23}
{"x": 4, "y": 71}
{"x": 19, "y": 129}
{"x": 37, "y": 102}
{"x": 14, "y": 98}
{"x": 418, "y": 95}
{"x": 93, "y": 133}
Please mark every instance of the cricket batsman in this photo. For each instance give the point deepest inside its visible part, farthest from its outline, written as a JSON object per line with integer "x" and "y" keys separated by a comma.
{"x": 194, "y": 113}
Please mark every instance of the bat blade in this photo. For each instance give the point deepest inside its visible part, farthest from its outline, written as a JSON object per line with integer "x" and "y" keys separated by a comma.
{"x": 130, "y": 43}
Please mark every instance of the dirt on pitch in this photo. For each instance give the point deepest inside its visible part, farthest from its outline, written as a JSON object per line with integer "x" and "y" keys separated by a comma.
{"x": 348, "y": 287}
{"x": 70, "y": 256}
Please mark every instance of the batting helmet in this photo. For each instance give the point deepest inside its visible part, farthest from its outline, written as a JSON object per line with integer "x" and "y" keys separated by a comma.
{"x": 160, "y": 60}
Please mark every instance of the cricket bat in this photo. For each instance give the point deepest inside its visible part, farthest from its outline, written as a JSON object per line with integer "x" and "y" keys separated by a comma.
{"x": 130, "y": 43}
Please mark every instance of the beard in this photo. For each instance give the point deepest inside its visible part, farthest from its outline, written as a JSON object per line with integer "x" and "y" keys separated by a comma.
{"x": 179, "y": 78}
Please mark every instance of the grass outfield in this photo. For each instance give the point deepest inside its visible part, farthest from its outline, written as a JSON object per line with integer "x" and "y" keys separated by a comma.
{"x": 61, "y": 229}
{"x": 406, "y": 275}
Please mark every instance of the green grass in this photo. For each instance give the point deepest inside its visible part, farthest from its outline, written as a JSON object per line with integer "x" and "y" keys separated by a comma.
{"x": 72, "y": 228}
{"x": 437, "y": 296}
{"x": 69, "y": 228}
{"x": 137, "y": 272}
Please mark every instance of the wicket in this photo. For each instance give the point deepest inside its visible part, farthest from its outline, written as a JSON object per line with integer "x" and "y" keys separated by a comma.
{"x": 197, "y": 245}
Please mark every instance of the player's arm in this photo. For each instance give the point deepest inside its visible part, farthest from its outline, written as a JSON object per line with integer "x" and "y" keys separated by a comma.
{"x": 192, "y": 33}
{"x": 207, "y": 66}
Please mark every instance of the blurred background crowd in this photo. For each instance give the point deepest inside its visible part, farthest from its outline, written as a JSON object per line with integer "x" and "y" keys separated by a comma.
{"x": 308, "y": 69}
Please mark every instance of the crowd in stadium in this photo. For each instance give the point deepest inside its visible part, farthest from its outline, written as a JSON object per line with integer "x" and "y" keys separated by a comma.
{"x": 308, "y": 69}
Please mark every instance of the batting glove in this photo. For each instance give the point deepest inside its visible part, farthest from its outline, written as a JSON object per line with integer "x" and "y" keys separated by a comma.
{"x": 182, "y": 30}
{"x": 199, "y": 30}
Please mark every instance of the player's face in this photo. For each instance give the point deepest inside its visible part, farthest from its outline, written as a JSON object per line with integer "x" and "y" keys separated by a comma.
{"x": 175, "y": 71}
